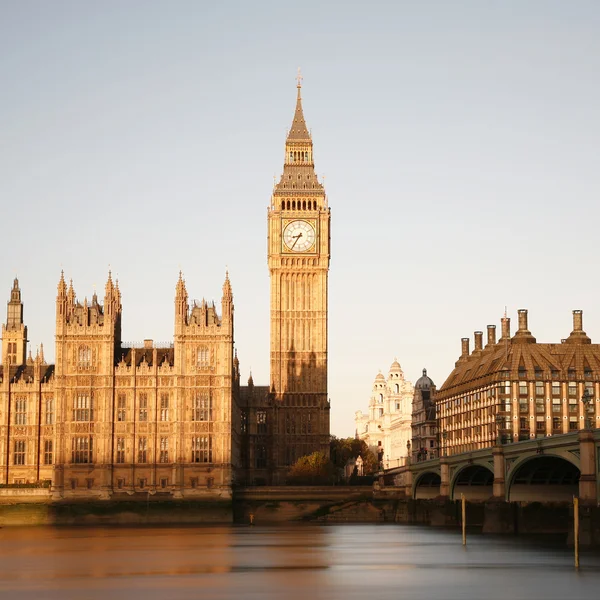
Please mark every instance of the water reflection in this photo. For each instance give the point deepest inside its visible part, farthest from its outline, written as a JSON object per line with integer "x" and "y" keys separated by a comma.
{"x": 303, "y": 561}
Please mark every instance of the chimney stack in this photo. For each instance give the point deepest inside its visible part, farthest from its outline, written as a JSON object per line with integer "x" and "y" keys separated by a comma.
{"x": 578, "y": 335}
{"x": 491, "y": 335}
{"x": 478, "y": 341}
{"x": 505, "y": 328}
{"x": 523, "y": 320}
{"x": 465, "y": 347}
{"x": 523, "y": 334}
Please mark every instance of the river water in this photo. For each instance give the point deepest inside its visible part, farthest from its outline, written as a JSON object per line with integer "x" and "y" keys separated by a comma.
{"x": 288, "y": 562}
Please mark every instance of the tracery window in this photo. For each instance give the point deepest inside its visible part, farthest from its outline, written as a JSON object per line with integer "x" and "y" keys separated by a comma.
{"x": 202, "y": 449}
{"x": 203, "y": 357}
{"x": 81, "y": 449}
{"x": 84, "y": 357}
{"x": 49, "y": 412}
{"x": 202, "y": 408}
{"x": 83, "y": 408}
{"x": 164, "y": 450}
{"x": 19, "y": 453}
{"x": 21, "y": 411}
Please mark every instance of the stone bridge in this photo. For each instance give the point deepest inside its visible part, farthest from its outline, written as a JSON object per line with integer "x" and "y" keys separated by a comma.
{"x": 549, "y": 469}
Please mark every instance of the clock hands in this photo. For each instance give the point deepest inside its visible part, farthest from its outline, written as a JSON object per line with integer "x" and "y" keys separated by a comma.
{"x": 296, "y": 237}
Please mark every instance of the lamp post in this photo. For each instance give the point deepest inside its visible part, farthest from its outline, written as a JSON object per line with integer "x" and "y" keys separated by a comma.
{"x": 587, "y": 399}
{"x": 499, "y": 422}
{"x": 444, "y": 438}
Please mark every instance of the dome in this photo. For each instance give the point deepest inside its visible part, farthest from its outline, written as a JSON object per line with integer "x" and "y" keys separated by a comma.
{"x": 379, "y": 377}
{"x": 395, "y": 368}
{"x": 424, "y": 382}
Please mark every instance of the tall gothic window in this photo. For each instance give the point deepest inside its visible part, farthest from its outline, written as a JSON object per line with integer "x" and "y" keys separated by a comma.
{"x": 82, "y": 408}
{"x": 120, "y": 450}
{"x": 143, "y": 405}
{"x": 81, "y": 449}
{"x": 164, "y": 407}
{"x": 121, "y": 412}
{"x": 48, "y": 451}
{"x": 261, "y": 422}
{"x": 19, "y": 454}
{"x": 202, "y": 449}
{"x": 49, "y": 412}
{"x": 203, "y": 357}
{"x": 164, "y": 450}
{"x": 21, "y": 411}
{"x": 201, "y": 410}
{"x": 84, "y": 357}
{"x": 142, "y": 450}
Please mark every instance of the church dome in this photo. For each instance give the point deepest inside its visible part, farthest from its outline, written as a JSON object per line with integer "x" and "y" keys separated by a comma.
{"x": 379, "y": 377}
{"x": 396, "y": 368}
{"x": 424, "y": 382}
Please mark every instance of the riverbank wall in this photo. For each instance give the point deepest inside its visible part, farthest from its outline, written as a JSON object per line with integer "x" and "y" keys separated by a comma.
{"x": 284, "y": 504}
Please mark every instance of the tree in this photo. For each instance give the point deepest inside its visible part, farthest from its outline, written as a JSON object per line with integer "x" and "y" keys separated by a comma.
{"x": 313, "y": 469}
{"x": 343, "y": 449}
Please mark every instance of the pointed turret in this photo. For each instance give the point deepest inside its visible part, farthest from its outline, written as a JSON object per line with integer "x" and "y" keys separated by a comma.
{"x": 299, "y": 130}
{"x": 299, "y": 170}
{"x": 227, "y": 301}
{"x": 181, "y": 304}
{"x": 62, "y": 286}
{"x": 14, "y": 332}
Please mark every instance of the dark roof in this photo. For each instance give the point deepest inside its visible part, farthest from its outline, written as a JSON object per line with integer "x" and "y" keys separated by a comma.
{"x": 26, "y": 372}
{"x": 145, "y": 354}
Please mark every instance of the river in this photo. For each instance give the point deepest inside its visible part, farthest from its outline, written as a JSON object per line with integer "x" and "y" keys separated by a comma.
{"x": 315, "y": 562}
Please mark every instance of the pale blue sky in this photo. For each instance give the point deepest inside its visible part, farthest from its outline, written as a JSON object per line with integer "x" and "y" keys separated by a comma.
{"x": 459, "y": 142}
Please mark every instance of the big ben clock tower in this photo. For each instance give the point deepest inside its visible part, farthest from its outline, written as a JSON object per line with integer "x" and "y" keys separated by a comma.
{"x": 298, "y": 258}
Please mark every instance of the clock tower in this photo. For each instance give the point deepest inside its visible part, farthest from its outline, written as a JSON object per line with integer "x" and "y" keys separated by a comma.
{"x": 298, "y": 258}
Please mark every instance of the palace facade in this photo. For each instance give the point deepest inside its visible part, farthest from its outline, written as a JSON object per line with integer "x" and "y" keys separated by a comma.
{"x": 107, "y": 419}
{"x": 110, "y": 419}
{"x": 386, "y": 428}
{"x": 517, "y": 388}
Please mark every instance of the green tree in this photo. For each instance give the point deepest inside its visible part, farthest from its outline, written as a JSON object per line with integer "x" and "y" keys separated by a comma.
{"x": 343, "y": 449}
{"x": 313, "y": 469}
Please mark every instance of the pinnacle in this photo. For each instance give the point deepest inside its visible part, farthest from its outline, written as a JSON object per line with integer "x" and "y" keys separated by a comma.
{"x": 299, "y": 130}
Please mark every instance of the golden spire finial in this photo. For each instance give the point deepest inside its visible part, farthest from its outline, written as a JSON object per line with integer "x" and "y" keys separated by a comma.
{"x": 299, "y": 78}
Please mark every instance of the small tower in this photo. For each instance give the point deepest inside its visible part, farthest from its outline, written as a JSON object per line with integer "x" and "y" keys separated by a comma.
{"x": 14, "y": 332}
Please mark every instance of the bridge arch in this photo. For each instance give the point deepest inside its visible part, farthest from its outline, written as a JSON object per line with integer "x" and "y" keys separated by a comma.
{"x": 427, "y": 485}
{"x": 475, "y": 481}
{"x": 543, "y": 477}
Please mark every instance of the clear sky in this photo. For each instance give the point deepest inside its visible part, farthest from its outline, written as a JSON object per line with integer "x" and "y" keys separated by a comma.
{"x": 459, "y": 141}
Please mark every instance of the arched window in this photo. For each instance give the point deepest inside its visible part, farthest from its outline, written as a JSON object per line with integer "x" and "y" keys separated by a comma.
{"x": 396, "y": 388}
{"x": 380, "y": 397}
{"x": 282, "y": 204}
{"x": 315, "y": 205}
{"x": 203, "y": 357}
{"x": 304, "y": 205}
{"x": 288, "y": 205}
{"x": 84, "y": 357}
{"x": 293, "y": 205}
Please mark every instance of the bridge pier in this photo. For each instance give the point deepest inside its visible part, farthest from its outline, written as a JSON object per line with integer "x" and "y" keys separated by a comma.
{"x": 499, "y": 487}
{"x": 588, "y": 491}
{"x": 445, "y": 477}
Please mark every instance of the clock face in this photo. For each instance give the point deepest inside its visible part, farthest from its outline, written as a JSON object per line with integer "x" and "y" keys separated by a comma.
{"x": 299, "y": 236}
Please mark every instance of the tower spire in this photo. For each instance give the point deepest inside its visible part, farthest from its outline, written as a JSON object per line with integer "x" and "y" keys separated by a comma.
{"x": 299, "y": 131}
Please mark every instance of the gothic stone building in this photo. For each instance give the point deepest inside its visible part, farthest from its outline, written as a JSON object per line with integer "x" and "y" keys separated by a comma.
{"x": 290, "y": 418}
{"x": 517, "y": 388}
{"x": 107, "y": 419}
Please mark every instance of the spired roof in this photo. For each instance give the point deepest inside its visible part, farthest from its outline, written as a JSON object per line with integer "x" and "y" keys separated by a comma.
{"x": 299, "y": 130}
{"x": 424, "y": 382}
